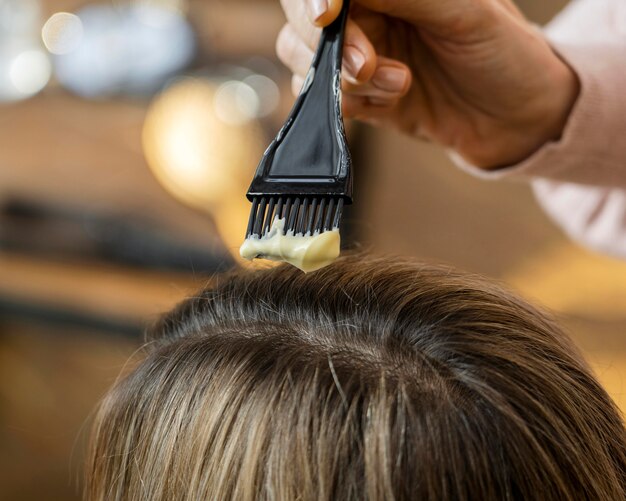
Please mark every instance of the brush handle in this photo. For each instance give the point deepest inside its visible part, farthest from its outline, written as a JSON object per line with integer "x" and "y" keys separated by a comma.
{"x": 310, "y": 154}
{"x": 329, "y": 55}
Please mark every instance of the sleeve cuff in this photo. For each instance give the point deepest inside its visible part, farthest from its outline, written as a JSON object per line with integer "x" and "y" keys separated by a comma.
{"x": 592, "y": 149}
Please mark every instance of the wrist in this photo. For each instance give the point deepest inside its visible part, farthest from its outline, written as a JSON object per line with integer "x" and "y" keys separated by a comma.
{"x": 542, "y": 121}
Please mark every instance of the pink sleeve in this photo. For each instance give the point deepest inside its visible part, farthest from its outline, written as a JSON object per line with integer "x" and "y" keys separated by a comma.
{"x": 593, "y": 216}
{"x": 581, "y": 179}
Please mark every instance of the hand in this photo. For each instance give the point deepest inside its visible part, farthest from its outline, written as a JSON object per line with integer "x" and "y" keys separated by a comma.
{"x": 472, "y": 75}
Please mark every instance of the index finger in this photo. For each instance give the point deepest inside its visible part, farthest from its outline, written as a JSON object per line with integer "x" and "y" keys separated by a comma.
{"x": 297, "y": 17}
{"x": 299, "y": 20}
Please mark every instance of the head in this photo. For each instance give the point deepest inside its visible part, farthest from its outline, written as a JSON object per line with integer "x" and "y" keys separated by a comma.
{"x": 370, "y": 379}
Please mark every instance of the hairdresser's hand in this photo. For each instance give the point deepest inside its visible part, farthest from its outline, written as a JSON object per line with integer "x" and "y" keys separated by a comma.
{"x": 472, "y": 75}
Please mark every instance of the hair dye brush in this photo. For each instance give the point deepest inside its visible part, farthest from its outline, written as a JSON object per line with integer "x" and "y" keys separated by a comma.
{"x": 304, "y": 178}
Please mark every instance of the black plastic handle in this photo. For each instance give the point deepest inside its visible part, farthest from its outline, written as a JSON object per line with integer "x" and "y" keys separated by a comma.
{"x": 310, "y": 153}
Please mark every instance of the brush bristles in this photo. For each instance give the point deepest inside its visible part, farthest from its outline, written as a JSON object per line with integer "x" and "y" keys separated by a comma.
{"x": 302, "y": 215}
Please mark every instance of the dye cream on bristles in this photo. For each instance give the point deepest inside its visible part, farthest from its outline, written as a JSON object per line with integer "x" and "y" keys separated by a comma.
{"x": 308, "y": 252}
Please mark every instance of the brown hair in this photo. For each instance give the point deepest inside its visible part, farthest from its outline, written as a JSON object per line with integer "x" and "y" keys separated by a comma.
{"x": 370, "y": 379}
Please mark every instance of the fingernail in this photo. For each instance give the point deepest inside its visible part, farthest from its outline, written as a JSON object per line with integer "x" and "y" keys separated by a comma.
{"x": 317, "y": 8}
{"x": 390, "y": 79}
{"x": 353, "y": 60}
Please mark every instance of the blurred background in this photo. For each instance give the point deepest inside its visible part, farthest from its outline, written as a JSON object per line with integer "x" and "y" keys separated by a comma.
{"x": 129, "y": 131}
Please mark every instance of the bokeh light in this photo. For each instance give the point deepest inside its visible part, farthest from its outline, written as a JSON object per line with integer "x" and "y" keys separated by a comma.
{"x": 131, "y": 48}
{"x": 267, "y": 91}
{"x": 24, "y": 64}
{"x": 157, "y": 13}
{"x": 236, "y": 103}
{"x": 30, "y": 72}
{"x": 62, "y": 33}
{"x": 203, "y": 160}
{"x": 18, "y": 19}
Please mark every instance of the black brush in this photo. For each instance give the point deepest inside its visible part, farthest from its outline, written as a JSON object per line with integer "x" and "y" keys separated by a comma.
{"x": 305, "y": 176}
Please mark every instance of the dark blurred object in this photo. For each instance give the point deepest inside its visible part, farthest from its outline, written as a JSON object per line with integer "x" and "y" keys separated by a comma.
{"x": 50, "y": 317}
{"x": 71, "y": 233}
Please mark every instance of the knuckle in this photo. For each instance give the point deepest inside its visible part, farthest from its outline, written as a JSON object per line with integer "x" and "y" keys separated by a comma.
{"x": 285, "y": 44}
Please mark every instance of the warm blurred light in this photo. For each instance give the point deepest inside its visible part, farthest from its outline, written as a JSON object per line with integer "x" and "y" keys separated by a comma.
{"x": 62, "y": 33}
{"x": 267, "y": 91}
{"x": 565, "y": 277}
{"x": 202, "y": 160}
{"x": 30, "y": 71}
{"x": 236, "y": 103}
